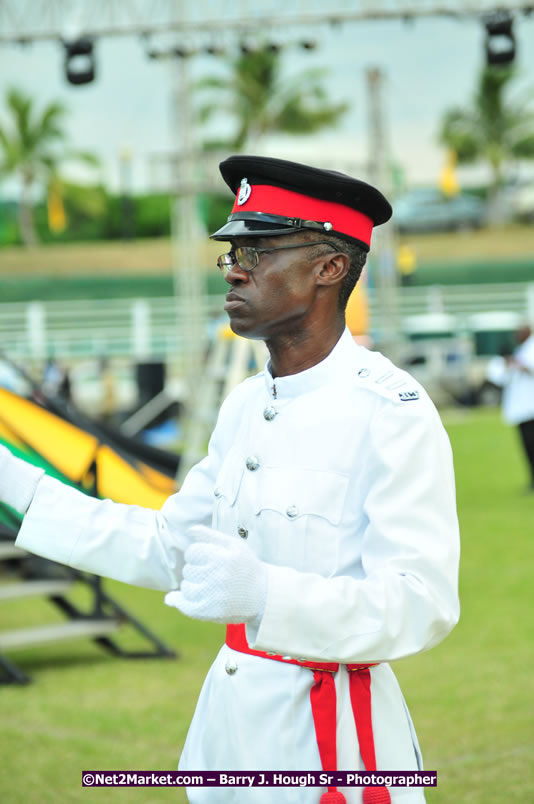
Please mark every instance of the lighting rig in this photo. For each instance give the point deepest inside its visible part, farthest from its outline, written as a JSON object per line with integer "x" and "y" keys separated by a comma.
{"x": 500, "y": 40}
{"x": 80, "y": 65}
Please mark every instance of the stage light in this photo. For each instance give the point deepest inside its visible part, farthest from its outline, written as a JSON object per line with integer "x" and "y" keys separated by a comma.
{"x": 79, "y": 61}
{"x": 247, "y": 47}
{"x": 181, "y": 52}
{"x": 500, "y": 39}
{"x": 214, "y": 50}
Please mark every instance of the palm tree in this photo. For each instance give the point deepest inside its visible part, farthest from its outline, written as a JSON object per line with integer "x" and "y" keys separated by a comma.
{"x": 261, "y": 101}
{"x": 31, "y": 147}
{"x": 494, "y": 128}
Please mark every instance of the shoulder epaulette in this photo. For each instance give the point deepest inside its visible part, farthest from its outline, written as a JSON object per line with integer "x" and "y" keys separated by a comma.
{"x": 378, "y": 375}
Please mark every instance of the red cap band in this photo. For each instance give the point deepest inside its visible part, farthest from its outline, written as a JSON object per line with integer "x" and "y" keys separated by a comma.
{"x": 277, "y": 201}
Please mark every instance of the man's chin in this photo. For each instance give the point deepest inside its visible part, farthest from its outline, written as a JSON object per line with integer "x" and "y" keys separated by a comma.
{"x": 245, "y": 330}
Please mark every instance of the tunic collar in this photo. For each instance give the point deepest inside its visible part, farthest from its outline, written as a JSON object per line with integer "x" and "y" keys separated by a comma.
{"x": 328, "y": 370}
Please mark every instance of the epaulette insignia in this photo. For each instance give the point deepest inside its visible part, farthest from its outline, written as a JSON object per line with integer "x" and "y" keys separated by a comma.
{"x": 408, "y": 396}
{"x": 388, "y": 383}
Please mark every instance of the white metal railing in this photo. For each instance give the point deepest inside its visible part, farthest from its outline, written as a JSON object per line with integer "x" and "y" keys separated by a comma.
{"x": 149, "y": 328}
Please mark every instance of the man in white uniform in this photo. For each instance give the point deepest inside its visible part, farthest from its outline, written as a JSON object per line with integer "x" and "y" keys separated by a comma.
{"x": 515, "y": 374}
{"x": 321, "y": 526}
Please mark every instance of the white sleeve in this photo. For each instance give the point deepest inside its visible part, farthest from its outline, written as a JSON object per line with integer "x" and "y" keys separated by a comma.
{"x": 129, "y": 543}
{"x": 408, "y": 599}
{"x": 525, "y": 354}
{"x": 497, "y": 371}
{"x": 18, "y": 481}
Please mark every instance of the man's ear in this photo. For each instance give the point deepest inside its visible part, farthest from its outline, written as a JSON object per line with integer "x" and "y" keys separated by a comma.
{"x": 332, "y": 268}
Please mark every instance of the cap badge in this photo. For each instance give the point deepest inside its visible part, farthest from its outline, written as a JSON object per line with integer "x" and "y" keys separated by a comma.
{"x": 244, "y": 192}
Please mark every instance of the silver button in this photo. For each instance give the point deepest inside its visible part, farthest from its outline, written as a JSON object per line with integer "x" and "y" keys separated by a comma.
{"x": 252, "y": 463}
{"x": 231, "y": 667}
{"x": 218, "y": 492}
{"x": 243, "y": 532}
{"x": 269, "y": 413}
{"x": 292, "y": 511}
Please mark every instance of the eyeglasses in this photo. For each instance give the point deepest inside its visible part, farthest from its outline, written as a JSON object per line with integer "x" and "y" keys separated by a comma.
{"x": 247, "y": 257}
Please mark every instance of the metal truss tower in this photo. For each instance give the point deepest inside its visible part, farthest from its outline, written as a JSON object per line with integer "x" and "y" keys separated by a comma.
{"x": 32, "y": 20}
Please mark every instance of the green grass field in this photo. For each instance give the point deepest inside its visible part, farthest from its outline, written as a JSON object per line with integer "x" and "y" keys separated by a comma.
{"x": 471, "y": 697}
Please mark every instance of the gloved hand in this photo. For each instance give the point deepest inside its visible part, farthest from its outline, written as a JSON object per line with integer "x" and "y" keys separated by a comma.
{"x": 18, "y": 481}
{"x": 223, "y": 581}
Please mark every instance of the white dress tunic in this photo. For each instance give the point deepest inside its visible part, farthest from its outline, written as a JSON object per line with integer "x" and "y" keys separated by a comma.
{"x": 340, "y": 478}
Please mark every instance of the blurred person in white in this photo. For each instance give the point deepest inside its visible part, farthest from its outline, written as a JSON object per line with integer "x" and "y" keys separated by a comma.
{"x": 321, "y": 528}
{"x": 515, "y": 374}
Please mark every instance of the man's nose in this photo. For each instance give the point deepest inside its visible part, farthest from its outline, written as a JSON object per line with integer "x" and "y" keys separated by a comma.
{"x": 237, "y": 274}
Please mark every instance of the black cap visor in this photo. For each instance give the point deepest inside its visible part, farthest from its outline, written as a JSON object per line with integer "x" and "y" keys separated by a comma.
{"x": 251, "y": 228}
{"x": 260, "y": 224}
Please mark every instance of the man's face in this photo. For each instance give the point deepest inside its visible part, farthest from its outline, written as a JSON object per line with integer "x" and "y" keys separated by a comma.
{"x": 522, "y": 334}
{"x": 275, "y": 298}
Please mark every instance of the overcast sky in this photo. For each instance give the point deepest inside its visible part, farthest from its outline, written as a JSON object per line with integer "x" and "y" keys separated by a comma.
{"x": 430, "y": 65}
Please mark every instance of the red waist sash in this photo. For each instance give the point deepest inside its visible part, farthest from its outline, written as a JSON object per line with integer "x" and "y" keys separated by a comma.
{"x": 323, "y": 705}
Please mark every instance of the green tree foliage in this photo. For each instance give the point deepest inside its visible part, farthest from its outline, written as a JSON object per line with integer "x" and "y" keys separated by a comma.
{"x": 32, "y": 146}
{"x": 95, "y": 214}
{"x": 495, "y": 127}
{"x": 261, "y": 100}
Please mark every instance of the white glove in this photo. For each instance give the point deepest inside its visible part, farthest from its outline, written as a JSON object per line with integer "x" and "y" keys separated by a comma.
{"x": 18, "y": 481}
{"x": 223, "y": 581}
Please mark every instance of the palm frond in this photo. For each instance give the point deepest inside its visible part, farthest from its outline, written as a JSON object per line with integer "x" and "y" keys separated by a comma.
{"x": 51, "y": 117}
{"x": 20, "y": 107}
{"x": 212, "y": 82}
{"x": 260, "y": 100}
{"x": 299, "y": 117}
{"x": 523, "y": 148}
{"x": 87, "y": 157}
